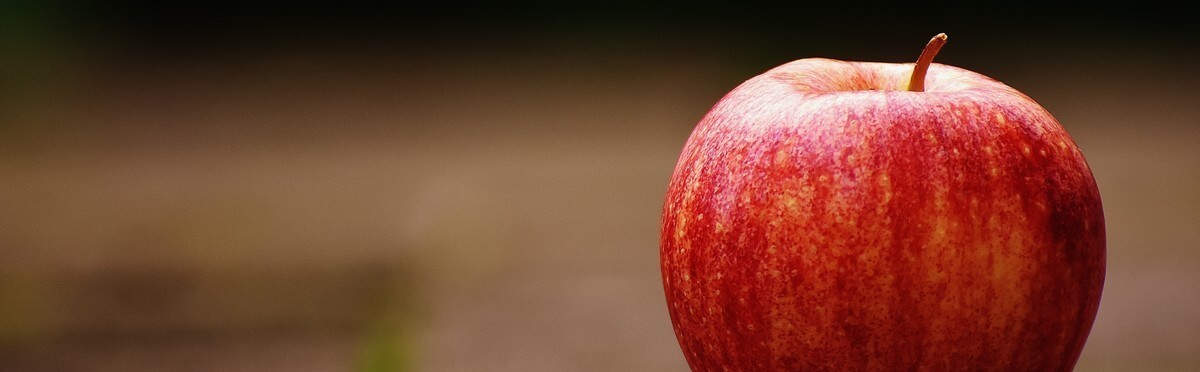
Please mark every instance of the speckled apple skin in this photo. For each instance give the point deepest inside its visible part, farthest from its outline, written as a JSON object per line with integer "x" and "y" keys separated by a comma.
{"x": 821, "y": 218}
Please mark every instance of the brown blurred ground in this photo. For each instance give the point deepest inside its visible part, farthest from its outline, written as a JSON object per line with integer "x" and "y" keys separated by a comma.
{"x": 465, "y": 209}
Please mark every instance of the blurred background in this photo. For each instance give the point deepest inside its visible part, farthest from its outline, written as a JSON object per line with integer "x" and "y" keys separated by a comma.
{"x": 222, "y": 187}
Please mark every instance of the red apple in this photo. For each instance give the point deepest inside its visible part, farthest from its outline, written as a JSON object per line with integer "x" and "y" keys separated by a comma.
{"x": 830, "y": 215}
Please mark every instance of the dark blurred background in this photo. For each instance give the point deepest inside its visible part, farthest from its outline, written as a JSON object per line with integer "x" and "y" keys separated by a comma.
{"x": 217, "y": 186}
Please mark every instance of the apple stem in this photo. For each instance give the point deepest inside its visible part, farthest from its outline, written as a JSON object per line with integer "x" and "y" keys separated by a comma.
{"x": 917, "y": 82}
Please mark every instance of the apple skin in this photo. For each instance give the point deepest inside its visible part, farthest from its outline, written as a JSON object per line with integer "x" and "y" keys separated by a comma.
{"x": 822, "y": 218}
